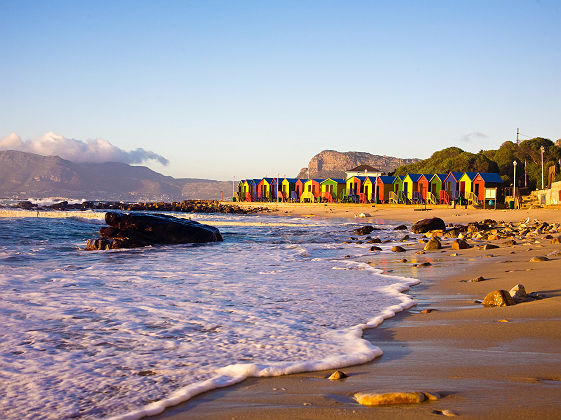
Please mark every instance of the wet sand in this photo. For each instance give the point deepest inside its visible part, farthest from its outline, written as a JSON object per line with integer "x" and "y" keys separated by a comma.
{"x": 484, "y": 362}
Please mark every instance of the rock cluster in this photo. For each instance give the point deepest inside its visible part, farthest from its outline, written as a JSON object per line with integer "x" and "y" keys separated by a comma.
{"x": 138, "y": 230}
{"x": 516, "y": 294}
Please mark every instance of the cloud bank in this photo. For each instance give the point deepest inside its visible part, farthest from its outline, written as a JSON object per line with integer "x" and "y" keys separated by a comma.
{"x": 95, "y": 151}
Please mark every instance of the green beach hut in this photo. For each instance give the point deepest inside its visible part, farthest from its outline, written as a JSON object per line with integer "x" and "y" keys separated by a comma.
{"x": 398, "y": 195}
{"x": 332, "y": 189}
{"x": 435, "y": 186}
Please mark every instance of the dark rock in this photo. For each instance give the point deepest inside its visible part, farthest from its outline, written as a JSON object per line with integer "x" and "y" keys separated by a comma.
{"x": 426, "y": 225}
{"x": 400, "y": 227}
{"x": 477, "y": 279}
{"x": 364, "y": 230}
{"x": 138, "y": 230}
{"x": 375, "y": 248}
{"x": 375, "y": 241}
{"x": 26, "y": 205}
{"x": 397, "y": 248}
{"x": 489, "y": 246}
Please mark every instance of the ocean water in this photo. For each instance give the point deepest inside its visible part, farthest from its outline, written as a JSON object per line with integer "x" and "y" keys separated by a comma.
{"x": 125, "y": 333}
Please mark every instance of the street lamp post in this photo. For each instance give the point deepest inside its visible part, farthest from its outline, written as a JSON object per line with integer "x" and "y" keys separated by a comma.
{"x": 514, "y": 188}
{"x": 542, "y": 149}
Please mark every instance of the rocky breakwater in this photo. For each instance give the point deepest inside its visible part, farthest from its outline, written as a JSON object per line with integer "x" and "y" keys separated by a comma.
{"x": 138, "y": 230}
{"x": 186, "y": 206}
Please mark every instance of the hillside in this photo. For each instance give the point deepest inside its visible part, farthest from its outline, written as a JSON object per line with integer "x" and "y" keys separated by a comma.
{"x": 527, "y": 155}
{"x": 333, "y": 164}
{"x": 24, "y": 175}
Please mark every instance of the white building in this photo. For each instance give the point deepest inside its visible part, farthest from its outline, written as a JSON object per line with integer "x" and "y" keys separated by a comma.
{"x": 363, "y": 170}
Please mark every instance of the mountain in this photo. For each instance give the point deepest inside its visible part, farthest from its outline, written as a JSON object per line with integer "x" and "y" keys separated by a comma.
{"x": 24, "y": 175}
{"x": 333, "y": 164}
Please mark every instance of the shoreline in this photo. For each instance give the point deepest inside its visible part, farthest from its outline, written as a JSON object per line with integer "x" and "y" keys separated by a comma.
{"x": 483, "y": 361}
{"x": 480, "y": 365}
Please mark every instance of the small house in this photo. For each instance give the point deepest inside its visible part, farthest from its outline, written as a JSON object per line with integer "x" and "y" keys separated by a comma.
{"x": 332, "y": 189}
{"x": 289, "y": 189}
{"x": 451, "y": 184}
{"x": 385, "y": 186}
{"x": 484, "y": 181}
{"x": 435, "y": 186}
{"x": 311, "y": 191}
{"x": 465, "y": 184}
{"x": 299, "y": 187}
{"x": 411, "y": 185}
{"x": 355, "y": 187}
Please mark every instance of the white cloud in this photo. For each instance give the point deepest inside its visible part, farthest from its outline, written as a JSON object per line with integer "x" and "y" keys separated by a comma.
{"x": 97, "y": 150}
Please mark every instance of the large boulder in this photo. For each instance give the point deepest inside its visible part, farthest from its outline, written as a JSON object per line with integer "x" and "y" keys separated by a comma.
{"x": 138, "y": 230}
{"x": 426, "y": 225}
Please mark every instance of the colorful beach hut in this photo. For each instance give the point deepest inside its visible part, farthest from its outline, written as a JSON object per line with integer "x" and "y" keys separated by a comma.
{"x": 423, "y": 186}
{"x": 411, "y": 186}
{"x": 465, "y": 184}
{"x": 399, "y": 195}
{"x": 244, "y": 193}
{"x": 264, "y": 189}
{"x": 289, "y": 189}
{"x": 299, "y": 187}
{"x": 435, "y": 186}
{"x": 368, "y": 186}
{"x": 485, "y": 180}
{"x": 385, "y": 186}
{"x": 253, "y": 188}
{"x": 451, "y": 183}
{"x": 311, "y": 191}
{"x": 332, "y": 189}
{"x": 355, "y": 187}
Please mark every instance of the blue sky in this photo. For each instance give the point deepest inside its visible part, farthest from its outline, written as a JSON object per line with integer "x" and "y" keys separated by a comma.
{"x": 255, "y": 88}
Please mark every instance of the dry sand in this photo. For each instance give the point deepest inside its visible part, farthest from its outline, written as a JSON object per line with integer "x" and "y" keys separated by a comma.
{"x": 482, "y": 366}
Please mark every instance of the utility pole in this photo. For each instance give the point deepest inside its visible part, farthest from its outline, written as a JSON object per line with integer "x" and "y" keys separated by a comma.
{"x": 233, "y": 187}
{"x": 542, "y": 149}
{"x": 517, "y": 132}
{"x": 525, "y": 178}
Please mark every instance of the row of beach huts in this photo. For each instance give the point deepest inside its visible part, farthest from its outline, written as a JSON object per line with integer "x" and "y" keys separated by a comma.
{"x": 454, "y": 187}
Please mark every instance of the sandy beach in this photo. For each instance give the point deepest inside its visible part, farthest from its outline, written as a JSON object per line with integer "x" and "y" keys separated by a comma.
{"x": 484, "y": 362}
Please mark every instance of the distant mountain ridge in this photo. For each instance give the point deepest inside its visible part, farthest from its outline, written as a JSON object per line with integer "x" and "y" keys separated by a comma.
{"x": 24, "y": 175}
{"x": 333, "y": 164}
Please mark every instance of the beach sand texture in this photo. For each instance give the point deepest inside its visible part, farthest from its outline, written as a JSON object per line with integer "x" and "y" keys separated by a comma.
{"x": 484, "y": 362}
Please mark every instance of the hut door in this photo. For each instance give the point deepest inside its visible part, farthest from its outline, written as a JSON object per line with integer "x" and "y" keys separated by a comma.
{"x": 434, "y": 189}
{"x": 476, "y": 189}
{"x": 462, "y": 188}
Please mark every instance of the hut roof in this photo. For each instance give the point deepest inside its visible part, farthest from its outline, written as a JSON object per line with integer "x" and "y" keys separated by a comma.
{"x": 387, "y": 179}
{"x": 414, "y": 177}
{"x": 362, "y": 168}
{"x": 490, "y": 177}
{"x": 291, "y": 180}
{"x": 456, "y": 175}
{"x": 442, "y": 177}
{"x": 337, "y": 180}
{"x": 471, "y": 175}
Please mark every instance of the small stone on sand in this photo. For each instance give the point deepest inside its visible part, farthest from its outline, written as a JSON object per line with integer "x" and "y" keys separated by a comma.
{"x": 338, "y": 374}
{"x": 539, "y": 259}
